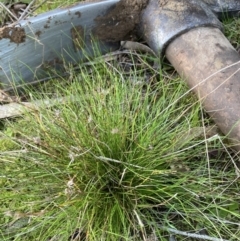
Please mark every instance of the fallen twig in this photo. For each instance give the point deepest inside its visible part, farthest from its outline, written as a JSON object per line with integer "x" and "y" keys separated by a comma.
{"x": 10, "y": 13}
{"x": 138, "y": 47}
{"x": 17, "y": 109}
{"x": 191, "y": 235}
{"x": 26, "y": 11}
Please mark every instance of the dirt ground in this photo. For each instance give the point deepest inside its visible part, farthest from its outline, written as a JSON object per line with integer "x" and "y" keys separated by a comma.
{"x": 120, "y": 22}
{"x": 15, "y": 34}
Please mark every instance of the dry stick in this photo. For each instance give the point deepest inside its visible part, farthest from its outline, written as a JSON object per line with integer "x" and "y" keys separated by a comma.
{"x": 4, "y": 97}
{"x": 25, "y": 12}
{"x": 191, "y": 235}
{"x": 138, "y": 47}
{"x": 17, "y": 109}
{"x": 11, "y": 14}
{"x": 130, "y": 45}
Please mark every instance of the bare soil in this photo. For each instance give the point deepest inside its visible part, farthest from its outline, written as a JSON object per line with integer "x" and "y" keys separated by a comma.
{"x": 15, "y": 34}
{"x": 120, "y": 22}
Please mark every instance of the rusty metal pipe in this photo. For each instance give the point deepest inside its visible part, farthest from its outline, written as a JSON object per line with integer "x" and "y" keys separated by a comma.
{"x": 189, "y": 34}
{"x": 211, "y": 67}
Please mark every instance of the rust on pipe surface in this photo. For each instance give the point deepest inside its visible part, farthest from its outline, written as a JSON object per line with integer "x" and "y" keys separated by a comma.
{"x": 211, "y": 67}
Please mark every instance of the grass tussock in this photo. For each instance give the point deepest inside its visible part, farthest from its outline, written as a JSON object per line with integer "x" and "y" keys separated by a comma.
{"x": 118, "y": 159}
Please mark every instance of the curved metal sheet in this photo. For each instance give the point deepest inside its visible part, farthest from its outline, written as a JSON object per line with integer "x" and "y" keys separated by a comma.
{"x": 29, "y": 50}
